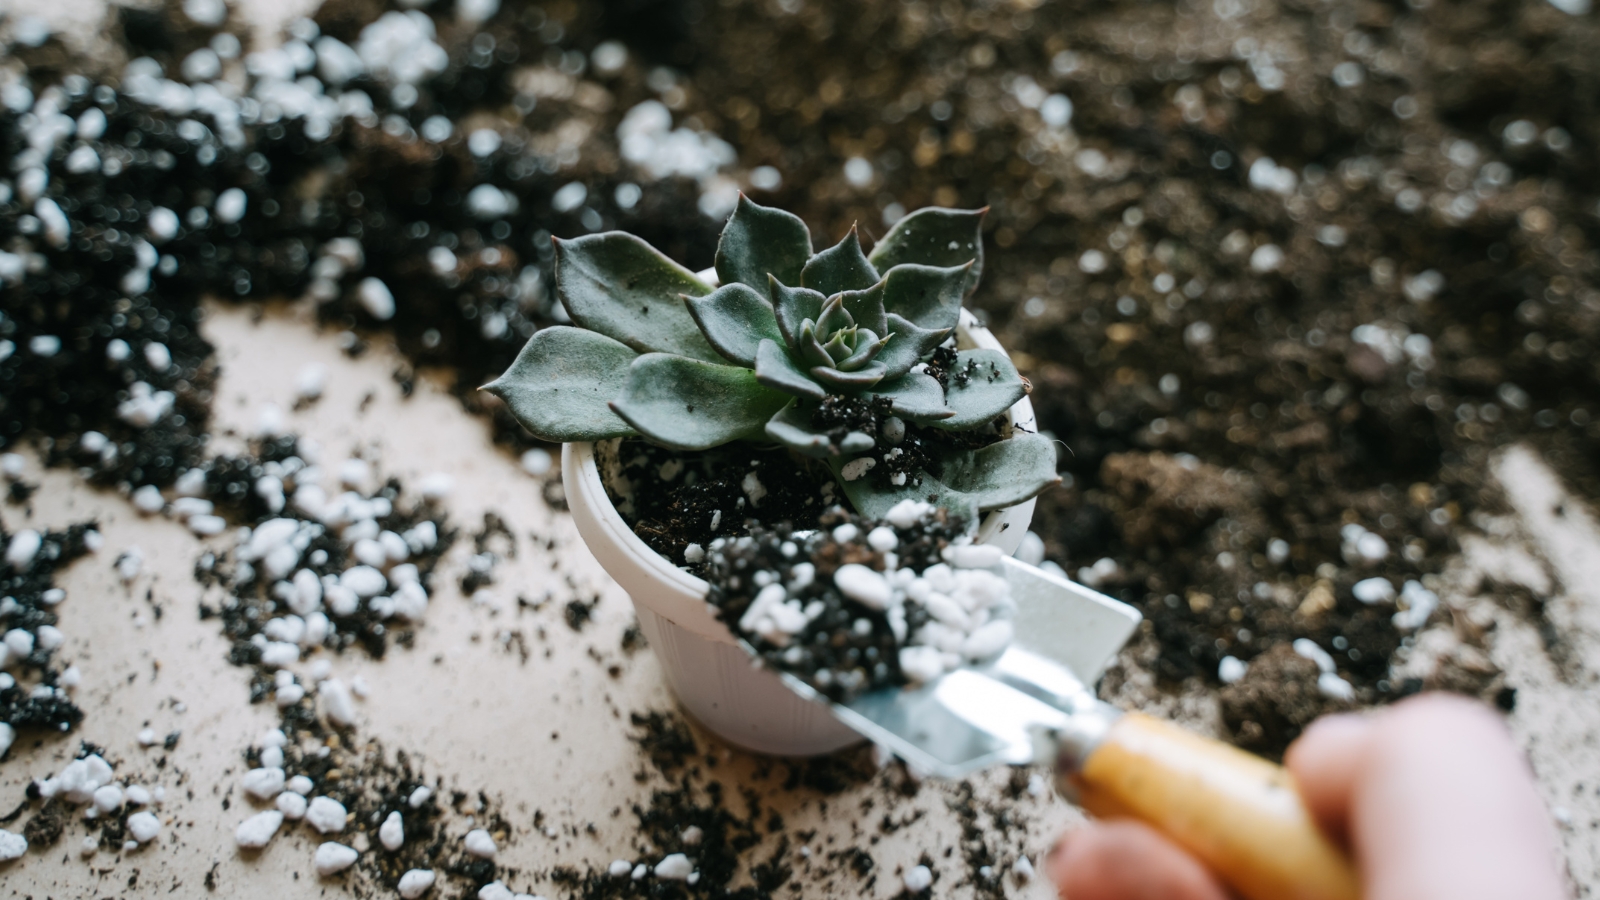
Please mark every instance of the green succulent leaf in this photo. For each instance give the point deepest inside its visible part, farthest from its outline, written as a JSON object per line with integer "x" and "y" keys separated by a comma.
{"x": 873, "y": 498}
{"x": 934, "y": 236}
{"x": 983, "y": 384}
{"x": 910, "y": 345}
{"x": 776, "y": 370}
{"x": 849, "y": 382}
{"x": 842, "y": 267}
{"x": 686, "y": 404}
{"x": 916, "y": 396}
{"x": 866, "y": 307}
{"x": 834, "y": 317}
{"x": 1004, "y": 473}
{"x": 735, "y": 319}
{"x": 617, "y": 285}
{"x": 561, "y": 382}
{"x": 868, "y": 346}
{"x": 759, "y": 241}
{"x": 927, "y": 296}
{"x": 792, "y": 428}
{"x": 841, "y": 346}
{"x": 811, "y": 351}
{"x": 994, "y": 477}
{"x": 793, "y": 306}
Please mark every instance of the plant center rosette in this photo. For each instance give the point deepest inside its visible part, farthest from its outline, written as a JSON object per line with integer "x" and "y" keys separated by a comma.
{"x": 844, "y": 364}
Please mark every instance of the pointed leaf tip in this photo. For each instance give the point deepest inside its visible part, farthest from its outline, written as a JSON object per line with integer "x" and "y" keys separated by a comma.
{"x": 1002, "y": 474}
{"x": 759, "y": 241}
{"x": 916, "y": 396}
{"x": 559, "y": 386}
{"x": 935, "y": 236}
{"x": 842, "y": 267}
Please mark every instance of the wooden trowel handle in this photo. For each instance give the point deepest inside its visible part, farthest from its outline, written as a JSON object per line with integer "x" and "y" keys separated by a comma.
{"x": 1237, "y": 813}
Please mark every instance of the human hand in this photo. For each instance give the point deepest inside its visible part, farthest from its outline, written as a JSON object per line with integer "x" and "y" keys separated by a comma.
{"x": 1430, "y": 796}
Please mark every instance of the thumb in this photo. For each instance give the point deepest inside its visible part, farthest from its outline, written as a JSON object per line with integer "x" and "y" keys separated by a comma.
{"x": 1442, "y": 807}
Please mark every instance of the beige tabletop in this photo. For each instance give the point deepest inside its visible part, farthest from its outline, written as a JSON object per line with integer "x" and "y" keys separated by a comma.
{"x": 548, "y": 732}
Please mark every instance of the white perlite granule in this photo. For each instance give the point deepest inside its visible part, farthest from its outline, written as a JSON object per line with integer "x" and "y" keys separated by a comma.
{"x": 326, "y": 815}
{"x": 674, "y": 867}
{"x": 332, "y": 858}
{"x": 254, "y": 833}
{"x": 263, "y": 784}
{"x": 143, "y": 827}
{"x": 863, "y": 585}
{"x": 480, "y": 844}
{"x": 335, "y": 700}
{"x": 856, "y": 468}
{"x": 292, "y": 805}
{"x": 392, "y": 833}
{"x": 415, "y": 883}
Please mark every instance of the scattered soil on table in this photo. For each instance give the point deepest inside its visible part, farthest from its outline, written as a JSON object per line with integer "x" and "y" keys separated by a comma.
{"x": 372, "y": 782}
{"x": 30, "y": 605}
{"x": 108, "y": 831}
{"x": 44, "y": 827}
{"x": 686, "y": 800}
{"x": 744, "y": 849}
{"x": 251, "y": 603}
{"x": 363, "y": 776}
{"x": 1340, "y": 252}
{"x": 1274, "y": 701}
{"x": 992, "y": 831}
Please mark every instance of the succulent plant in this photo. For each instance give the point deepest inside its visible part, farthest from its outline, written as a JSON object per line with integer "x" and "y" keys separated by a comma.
{"x": 659, "y": 353}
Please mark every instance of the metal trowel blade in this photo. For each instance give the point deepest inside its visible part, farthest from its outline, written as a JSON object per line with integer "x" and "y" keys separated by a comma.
{"x": 985, "y": 715}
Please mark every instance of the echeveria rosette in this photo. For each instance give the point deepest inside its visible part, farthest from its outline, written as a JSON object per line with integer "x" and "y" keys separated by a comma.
{"x": 657, "y": 352}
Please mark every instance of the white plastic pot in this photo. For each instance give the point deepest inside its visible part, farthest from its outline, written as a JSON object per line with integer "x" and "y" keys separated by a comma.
{"x": 717, "y": 682}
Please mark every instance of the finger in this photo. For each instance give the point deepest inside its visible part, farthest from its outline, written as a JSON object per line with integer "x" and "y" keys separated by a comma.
{"x": 1445, "y": 809}
{"x": 1123, "y": 860}
{"x": 1325, "y": 762}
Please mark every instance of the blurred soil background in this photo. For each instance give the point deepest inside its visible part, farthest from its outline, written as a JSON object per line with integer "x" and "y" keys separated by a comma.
{"x": 1308, "y": 291}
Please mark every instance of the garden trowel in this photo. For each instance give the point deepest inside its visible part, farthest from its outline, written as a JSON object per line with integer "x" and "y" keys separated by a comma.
{"x": 1238, "y": 813}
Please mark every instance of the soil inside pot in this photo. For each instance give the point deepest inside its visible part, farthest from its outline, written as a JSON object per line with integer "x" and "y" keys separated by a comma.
{"x": 674, "y": 500}
{"x": 847, "y": 647}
